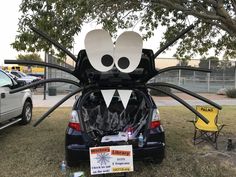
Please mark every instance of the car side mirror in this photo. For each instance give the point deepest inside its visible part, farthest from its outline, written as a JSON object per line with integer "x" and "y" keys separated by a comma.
{"x": 20, "y": 83}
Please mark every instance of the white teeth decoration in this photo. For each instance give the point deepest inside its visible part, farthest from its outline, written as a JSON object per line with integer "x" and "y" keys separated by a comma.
{"x": 124, "y": 96}
{"x": 107, "y": 96}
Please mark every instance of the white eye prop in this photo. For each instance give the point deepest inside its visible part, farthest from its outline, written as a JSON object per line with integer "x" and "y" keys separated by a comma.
{"x": 99, "y": 48}
{"x": 128, "y": 51}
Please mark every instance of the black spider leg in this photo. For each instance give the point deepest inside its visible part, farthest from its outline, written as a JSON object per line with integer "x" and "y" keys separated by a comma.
{"x": 39, "y": 63}
{"x": 56, "y": 106}
{"x": 43, "y": 82}
{"x": 55, "y": 43}
{"x": 173, "y": 40}
{"x": 185, "y": 91}
{"x": 182, "y": 102}
{"x": 183, "y": 68}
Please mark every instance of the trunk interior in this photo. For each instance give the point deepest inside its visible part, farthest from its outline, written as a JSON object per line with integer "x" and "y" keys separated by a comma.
{"x": 99, "y": 121}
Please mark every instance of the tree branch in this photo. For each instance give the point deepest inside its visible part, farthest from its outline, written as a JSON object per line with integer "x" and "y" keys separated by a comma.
{"x": 224, "y": 20}
{"x": 234, "y": 5}
{"x": 178, "y": 6}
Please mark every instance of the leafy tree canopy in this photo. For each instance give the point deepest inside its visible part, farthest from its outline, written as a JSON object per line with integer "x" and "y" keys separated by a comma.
{"x": 62, "y": 19}
{"x": 29, "y": 57}
{"x": 214, "y": 62}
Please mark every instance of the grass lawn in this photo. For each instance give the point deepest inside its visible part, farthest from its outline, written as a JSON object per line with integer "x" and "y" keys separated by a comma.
{"x": 26, "y": 151}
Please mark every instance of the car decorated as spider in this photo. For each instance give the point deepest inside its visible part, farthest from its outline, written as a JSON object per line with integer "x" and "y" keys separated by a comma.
{"x": 113, "y": 79}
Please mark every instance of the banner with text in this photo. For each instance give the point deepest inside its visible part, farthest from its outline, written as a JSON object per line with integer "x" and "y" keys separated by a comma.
{"x": 111, "y": 159}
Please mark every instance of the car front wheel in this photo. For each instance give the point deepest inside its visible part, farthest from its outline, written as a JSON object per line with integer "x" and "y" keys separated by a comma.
{"x": 26, "y": 113}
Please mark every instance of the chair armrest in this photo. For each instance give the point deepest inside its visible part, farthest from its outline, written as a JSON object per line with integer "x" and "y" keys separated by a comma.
{"x": 220, "y": 126}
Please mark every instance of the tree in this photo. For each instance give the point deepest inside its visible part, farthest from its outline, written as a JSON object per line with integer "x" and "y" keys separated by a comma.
{"x": 215, "y": 62}
{"x": 29, "y": 57}
{"x": 183, "y": 61}
{"x": 62, "y": 19}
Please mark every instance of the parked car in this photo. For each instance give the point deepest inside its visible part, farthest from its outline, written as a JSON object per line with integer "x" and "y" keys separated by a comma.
{"x": 16, "y": 107}
{"x": 39, "y": 76}
{"x": 22, "y": 76}
{"x": 94, "y": 120}
{"x": 17, "y": 79}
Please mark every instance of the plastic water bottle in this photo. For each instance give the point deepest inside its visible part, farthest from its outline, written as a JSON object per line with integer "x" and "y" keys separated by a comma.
{"x": 63, "y": 167}
{"x": 140, "y": 140}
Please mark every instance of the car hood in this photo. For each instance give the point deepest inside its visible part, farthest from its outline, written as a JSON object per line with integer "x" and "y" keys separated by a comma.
{"x": 28, "y": 78}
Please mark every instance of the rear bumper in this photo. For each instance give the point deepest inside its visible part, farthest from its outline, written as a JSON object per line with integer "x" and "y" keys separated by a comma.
{"x": 76, "y": 153}
{"x": 154, "y": 151}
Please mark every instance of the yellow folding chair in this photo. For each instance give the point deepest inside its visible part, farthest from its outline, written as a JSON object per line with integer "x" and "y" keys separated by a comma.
{"x": 207, "y": 132}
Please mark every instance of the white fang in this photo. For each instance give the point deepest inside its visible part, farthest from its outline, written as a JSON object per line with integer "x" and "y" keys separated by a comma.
{"x": 107, "y": 96}
{"x": 124, "y": 96}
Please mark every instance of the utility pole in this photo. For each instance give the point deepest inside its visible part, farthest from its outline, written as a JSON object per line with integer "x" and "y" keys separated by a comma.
{"x": 45, "y": 76}
{"x": 179, "y": 73}
{"x": 235, "y": 74}
{"x": 209, "y": 76}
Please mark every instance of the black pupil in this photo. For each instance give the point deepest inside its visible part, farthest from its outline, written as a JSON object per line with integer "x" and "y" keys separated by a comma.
{"x": 123, "y": 63}
{"x": 107, "y": 60}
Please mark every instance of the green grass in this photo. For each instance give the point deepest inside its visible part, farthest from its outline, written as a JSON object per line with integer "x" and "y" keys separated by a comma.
{"x": 26, "y": 151}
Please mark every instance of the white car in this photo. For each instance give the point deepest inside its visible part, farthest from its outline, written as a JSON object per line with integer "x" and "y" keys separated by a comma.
{"x": 24, "y": 77}
{"x": 15, "y": 107}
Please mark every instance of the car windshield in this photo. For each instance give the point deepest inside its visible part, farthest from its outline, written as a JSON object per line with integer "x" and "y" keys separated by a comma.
{"x": 11, "y": 75}
{"x": 18, "y": 74}
{"x": 4, "y": 80}
{"x": 22, "y": 74}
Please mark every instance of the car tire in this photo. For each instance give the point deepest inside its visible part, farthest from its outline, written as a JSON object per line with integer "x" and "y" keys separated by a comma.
{"x": 26, "y": 113}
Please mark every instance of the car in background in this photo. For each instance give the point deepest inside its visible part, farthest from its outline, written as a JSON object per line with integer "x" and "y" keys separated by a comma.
{"x": 17, "y": 79}
{"x": 15, "y": 107}
{"x": 39, "y": 76}
{"x": 22, "y": 76}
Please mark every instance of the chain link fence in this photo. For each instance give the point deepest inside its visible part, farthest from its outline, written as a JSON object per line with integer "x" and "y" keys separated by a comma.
{"x": 199, "y": 81}
{"x": 55, "y": 73}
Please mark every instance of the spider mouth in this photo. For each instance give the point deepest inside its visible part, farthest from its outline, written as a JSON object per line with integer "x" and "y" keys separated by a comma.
{"x": 109, "y": 94}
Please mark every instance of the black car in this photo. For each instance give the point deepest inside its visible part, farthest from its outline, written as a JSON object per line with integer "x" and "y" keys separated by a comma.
{"x": 115, "y": 107}
{"x": 131, "y": 110}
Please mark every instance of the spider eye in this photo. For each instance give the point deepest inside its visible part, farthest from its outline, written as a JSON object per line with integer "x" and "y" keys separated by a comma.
{"x": 99, "y": 48}
{"x": 107, "y": 60}
{"x": 123, "y": 62}
{"x": 128, "y": 51}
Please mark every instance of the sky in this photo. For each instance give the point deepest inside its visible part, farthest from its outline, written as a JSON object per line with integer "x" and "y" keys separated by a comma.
{"x": 9, "y": 19}
{"x": 9, "y": 15}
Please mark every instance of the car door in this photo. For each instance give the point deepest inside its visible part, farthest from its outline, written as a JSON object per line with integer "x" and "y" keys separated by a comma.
{"x": 10, "y": 104}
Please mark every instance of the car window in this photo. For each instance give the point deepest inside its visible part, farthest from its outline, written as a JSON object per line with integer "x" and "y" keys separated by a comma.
{"x": 4, "y": 79}
{"x": 16, "y": 74}
{"x": 22, "y": 74}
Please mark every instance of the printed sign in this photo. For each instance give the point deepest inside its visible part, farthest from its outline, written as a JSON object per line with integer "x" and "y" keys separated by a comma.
{"x": 111, "y": 159}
